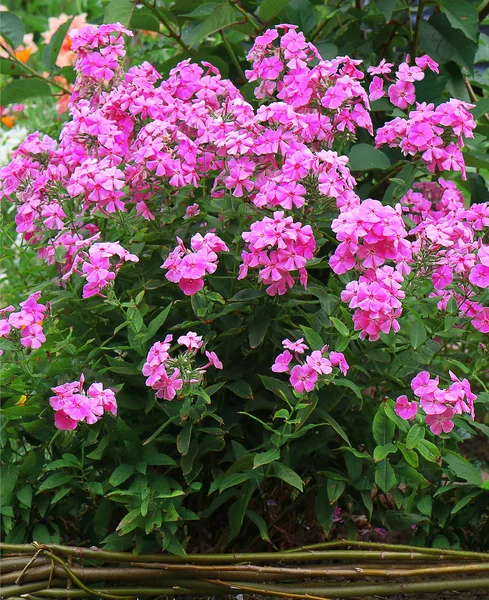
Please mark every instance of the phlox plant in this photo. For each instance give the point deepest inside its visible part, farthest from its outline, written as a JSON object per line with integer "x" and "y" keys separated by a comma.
{"x": 231, "y": 329}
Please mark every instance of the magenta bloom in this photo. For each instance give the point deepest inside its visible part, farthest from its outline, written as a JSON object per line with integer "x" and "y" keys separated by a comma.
{"x": 191, "y": 340}
{"x": 303, "y": 378}
{"x": 214, "y": 360}
{"x": 281, "y": 364}
{"x": 338, "y": 360}
{"x": 401, "y": 94}
{"x": 422, "y": 384}
{"x": 63, "y": 421}
{"x": 405, "y": 409}
{"x": 297, "y": 346}
{"x": 168, "y": 387}
{"x": 479, "y": 276}
{"x": 441, "y": 422}
{"x": 32, "y": 336}
{"x": 320, "y": 364}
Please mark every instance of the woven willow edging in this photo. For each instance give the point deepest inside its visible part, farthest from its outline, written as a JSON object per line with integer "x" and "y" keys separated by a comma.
{"x": 339, "y": 569}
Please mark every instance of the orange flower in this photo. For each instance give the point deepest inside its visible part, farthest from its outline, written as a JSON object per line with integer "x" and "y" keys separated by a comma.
{"x": 23, "y": 55}
{"x": 8, "y": 121}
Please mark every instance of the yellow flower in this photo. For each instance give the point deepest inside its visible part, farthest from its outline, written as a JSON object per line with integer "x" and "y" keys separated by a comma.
{"x": 22, "y": 400}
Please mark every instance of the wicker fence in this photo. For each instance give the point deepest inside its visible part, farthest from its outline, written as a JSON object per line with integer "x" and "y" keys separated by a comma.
{"x": 341, "y": 569}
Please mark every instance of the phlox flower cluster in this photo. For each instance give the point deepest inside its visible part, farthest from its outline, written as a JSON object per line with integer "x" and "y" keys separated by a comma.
{"x": 376, "y": 296}
{"x": 447, "y": 247}
{"x": 189, "y": 267}
{"x": 132, "y": 138}
{"x": 401, "y": 92}
{"x": 439, "y": 405}
{"x": 97, "y": 267}
{"x": 312, "y": 369}
{"x": 433, "y": 134}
{"x": 28, "y": 320}
{"x": 73, "y": 405}
{"x": 99, "y": 52}
{"x": 167, "y": 375}
{"x": 278, "y": 247}
{"x": 370, "y": 235}
{"x": 282, "y": 65}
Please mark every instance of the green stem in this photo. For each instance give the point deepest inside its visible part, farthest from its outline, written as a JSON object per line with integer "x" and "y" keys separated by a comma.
{"x": 173, "y": 34}
{"x": 232, "y": 55}
{"x": 419, "y": 16}
{"x": 33, "y": 72}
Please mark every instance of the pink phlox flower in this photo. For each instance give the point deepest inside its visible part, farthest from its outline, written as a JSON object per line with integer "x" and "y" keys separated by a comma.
{"x": 320, "y": 364}
{"x": 282, "y": 362}
{"x": 303, "y": 378}
{"x": 214, "y": 360}
{"x": 191, "y": 340}
{"x": 298, "y": 346}
{"x": 422, "y": 384}
{"x": 441, "y": 422}
{"x": 405, "y": 409}
{"x": 338, "y": 359}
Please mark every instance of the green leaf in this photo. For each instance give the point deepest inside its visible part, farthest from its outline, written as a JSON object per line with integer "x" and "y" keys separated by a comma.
{"x": 269, "y": 9}
{"x": 380, "y": 452}
{"x": 425, "y": 506}
{"x": 414, "y": 436}
{"x": 22, "y": 89}
{"x": 222, "y": 16}
{"x": 288, "y": 475}
{"x": 9, "y": 67}
{"x": 278, "y": 387}
{"x": 264, "y": 458}
{"x": 382, "y": 428}
{"x": 143, "y": 18}
{"x": 340, "y": 327}
{"x": 417, "y": 334}
{"x": 400, "y": 520}
{"x": 121, "y": 474}
{"x": 302, "y": 14}
{"x": 428, "y": 450}
{"x": 444, "y": 43}
{"x": 241, "y": 388}
{"x": 25, "y": 495}
{"x": 260, "y": 523}
{"x": 364, "y": 157}
{"x": 237, "y": 510}
{"x": 410, "y": 455}
{"x": 464, "y": 501}
{"x": 259, "y": 326}
{"x": 462, "y": 468}
{"x": 462, "y": 15}
{"x": 324, "y": 510}
{"x": 233, "y": 480}
{"x": 335, "y": 488}
{"x": 12, "y": 30}
{"x": 184, "y": 437}
{"x": 336, "y": 426}
{"x": 54, "y": 481}
{"x": 312, "y": 338}
{"x": 386, "y": 7}
{"x": 351, "y": 385}
{"x": 119, "y": 11}
{"x": 156, "y": 323}
{"x": 129, "y": 518}
{"x": 51, "y": 51}
{"x": 411, "y": 476}
{"x": 385, "y": 476}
